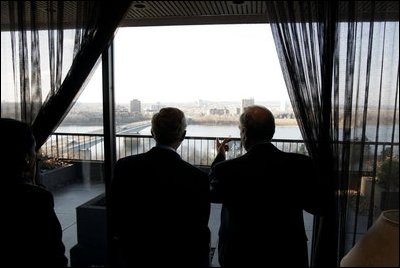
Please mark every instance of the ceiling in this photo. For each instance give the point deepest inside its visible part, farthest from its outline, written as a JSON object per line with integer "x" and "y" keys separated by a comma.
{"x": 153, "y": 13}
{"x": 213, "y": 12}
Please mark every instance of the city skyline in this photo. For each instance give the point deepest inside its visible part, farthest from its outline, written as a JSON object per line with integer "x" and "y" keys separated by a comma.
{"x": 185, "y": 63}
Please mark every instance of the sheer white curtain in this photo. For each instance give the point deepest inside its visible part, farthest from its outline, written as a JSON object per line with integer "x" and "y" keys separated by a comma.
{"x": 341, "y": 66}
{"x": 38, "y": 47}
{"x": 54, "y": 46}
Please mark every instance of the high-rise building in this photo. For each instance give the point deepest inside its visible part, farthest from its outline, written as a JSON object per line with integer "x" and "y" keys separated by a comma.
{"x": 136, "y": 106}
{"x": 246, "y": 103}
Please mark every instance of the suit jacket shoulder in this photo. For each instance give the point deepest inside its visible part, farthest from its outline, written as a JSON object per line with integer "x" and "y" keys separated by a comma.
{"x": 265, "y": 167}
{"x": 35, "y": 228}
{"x": 32, "y": 195}
{"x": 170, "y": 198}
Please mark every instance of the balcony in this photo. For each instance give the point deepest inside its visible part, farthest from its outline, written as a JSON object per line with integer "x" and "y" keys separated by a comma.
{"x": 199, "y": 151}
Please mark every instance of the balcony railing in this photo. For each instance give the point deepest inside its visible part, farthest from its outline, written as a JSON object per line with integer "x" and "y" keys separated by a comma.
{"x": 199, "y": 151}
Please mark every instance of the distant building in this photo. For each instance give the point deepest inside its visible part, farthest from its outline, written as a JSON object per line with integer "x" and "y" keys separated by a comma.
{"x": 202, "y": 103}
{"x": 246, "y": 103}
{"x": 136, "y": 106}
{"x": 217, "y": 111}
{"x": 157, "y": 107}
{"x": 121, "y": 109}
{"x": 154, "y": 108}
{"x": 274, "y": 106}
{"x": 288, "y": 107}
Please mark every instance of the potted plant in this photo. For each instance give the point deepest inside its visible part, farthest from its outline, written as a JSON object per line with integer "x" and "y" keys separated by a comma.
{"x": 47, "y": 163}
{"x": 55, "y": 173}
{"x": 388, "y": 180}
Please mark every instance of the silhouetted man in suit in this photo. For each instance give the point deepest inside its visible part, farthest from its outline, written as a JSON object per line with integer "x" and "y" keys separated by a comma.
{"x": 263, "y": 194}
{"x": 161, "y": 204}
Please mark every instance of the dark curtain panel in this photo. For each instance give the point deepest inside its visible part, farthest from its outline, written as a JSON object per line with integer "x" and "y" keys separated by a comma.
{"x": 305, "y": 38}
{"x": 340, "y": 64}
{"x": 54, "y": 46}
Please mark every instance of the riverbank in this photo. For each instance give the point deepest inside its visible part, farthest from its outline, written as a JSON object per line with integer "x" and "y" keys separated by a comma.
{"x": 233, "y": 121}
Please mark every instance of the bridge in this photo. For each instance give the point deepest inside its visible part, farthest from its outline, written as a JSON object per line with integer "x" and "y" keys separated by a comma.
{"x": 135, "y": 127}
{"x": 83, "y": 144}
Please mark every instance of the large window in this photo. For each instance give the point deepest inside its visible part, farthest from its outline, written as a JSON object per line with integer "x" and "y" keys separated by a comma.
{"x": 211, "y": 72}
{"x": 78, "y": 144}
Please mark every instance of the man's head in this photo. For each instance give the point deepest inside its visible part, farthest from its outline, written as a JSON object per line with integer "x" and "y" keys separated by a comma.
{"x": 257, "y": 124}
{"x": 18, "y": 144}
{"x": 168, "y": 127}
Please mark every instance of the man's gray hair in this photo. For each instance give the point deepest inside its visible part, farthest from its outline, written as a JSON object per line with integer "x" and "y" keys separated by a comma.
{"x": 259, "y": 123}
{"x": 168, "y": 125}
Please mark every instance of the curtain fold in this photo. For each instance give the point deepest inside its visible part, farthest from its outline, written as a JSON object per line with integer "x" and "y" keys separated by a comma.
{"x": 53, "y": 50}
{"x": 305, "y": 50}
{"x": 36, "y": 31}
{"x": 340, "y": 66}
{"x": 93, "y": 44}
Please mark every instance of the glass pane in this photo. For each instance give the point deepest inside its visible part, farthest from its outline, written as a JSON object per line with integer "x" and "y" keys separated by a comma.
{"x": 211, "y": 73}
{"x": 72, "y": 169}
{"x": 10, "y": 91}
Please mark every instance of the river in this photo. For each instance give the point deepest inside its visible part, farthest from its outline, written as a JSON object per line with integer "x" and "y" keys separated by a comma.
{"x": 281, "y": 132}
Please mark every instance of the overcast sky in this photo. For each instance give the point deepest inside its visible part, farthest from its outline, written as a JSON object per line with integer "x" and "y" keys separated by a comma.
{"x": 188, "y": 63}
{"x": 185, "y": 63}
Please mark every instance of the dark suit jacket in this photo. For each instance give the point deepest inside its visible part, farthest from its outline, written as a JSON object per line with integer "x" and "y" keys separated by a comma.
{"x": 263, "y": 194}
{"x": 33, "y": 233}
{"x": 161, "y": 206}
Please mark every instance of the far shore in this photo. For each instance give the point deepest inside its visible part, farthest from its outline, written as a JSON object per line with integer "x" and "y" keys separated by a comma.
{"x": 286, "y": 122}
{"x": 228, "y": 121}
{"x": 192, "y": 121}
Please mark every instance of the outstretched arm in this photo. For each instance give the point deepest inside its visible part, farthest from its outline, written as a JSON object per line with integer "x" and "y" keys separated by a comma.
{"x": 216, "y": 187}
{"x": 222, "y": 148}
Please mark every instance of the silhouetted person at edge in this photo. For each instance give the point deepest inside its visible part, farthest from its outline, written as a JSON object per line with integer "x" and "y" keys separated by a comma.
{"x": 33, "y": 235}
{"x": 263, "y": 194}
{"x": 160, "y": 203}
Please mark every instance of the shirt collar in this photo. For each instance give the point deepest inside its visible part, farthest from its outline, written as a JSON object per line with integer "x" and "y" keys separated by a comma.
{"x": 257, "y": 144}
{"x": 162, "y": 146}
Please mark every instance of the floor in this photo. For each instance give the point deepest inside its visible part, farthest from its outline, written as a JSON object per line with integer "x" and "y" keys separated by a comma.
{"x": 74, "y": 195}
{"x": 65, "y": 202}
